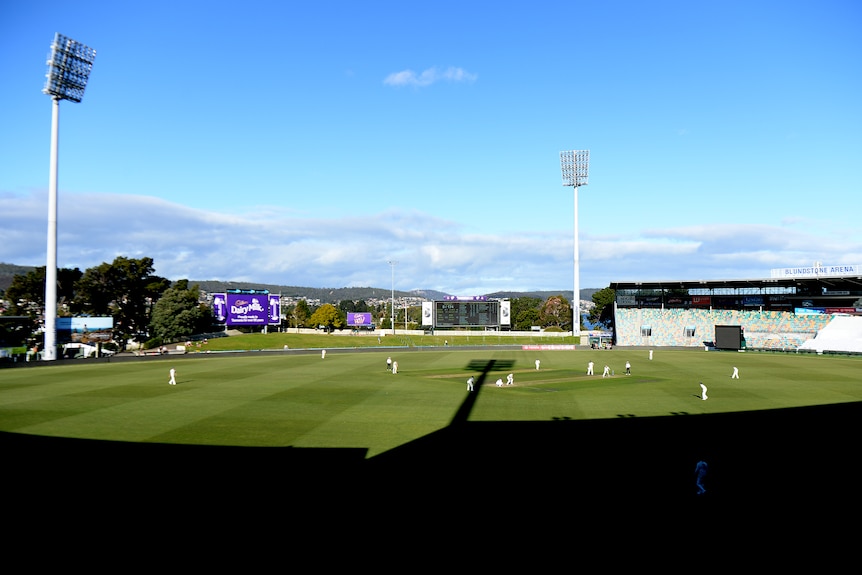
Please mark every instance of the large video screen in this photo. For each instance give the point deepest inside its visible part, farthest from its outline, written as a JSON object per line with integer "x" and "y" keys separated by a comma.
{"x": 257, "y": 307}
{"x": 728, "y": 337}
{"x": 359, "y": 319}
{"x": 84, "y": 329}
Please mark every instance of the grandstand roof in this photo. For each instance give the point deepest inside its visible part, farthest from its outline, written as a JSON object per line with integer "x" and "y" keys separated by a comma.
{"x": 832, "y": 291}
{"x": 835, "y": 283}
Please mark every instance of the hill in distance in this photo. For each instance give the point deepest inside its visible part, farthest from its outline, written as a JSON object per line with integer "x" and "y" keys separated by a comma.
{"x": 335, "y": 295}
{"x": 325, "y": 295}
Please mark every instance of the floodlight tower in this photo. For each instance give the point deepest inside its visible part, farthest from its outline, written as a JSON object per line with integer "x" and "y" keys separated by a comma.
{"x": 392, "y": 318}
{"x": 575, "y": 165}
{"x": 69, "y": 69}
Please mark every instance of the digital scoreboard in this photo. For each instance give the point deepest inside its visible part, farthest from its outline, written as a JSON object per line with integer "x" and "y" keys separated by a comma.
{"x": 471, "y": 311}
{"x": 466, "y": 313}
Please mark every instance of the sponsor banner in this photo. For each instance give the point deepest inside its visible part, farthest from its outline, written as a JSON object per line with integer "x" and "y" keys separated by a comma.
{"x": 84, "y": 329}
{"x": 841, "y": 310}
{"x": 247, "y": 309}
{"x": 626, "y": 299}
{"x": 817, "y": 271}
{"x": 465, "y": 298}
{"x": 505, "y": 313}
{"x": 220, "y": 307}
{"x": 427, "y": 313}
{"x": 274, "y": 309}
{"x": 701, "y": 300}
{"x": 357, "y": 319}
{"x": 809, "y": 310}
{"x": 547, "y": 347}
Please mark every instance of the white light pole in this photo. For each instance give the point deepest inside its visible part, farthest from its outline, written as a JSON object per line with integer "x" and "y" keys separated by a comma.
{"x": 69, "y": 69}
{"x": 575, "y": 166}
{"x": 392, "y": 319}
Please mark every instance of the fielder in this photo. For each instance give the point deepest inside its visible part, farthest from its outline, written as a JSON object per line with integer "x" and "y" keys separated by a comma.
{"x": 470, "y": 383}
{"x": 510, "y": 379}
{"x": 173, "y": 380}
{"x": 703, "y": 395}
{"x": 590, "y": 368}
{"x": 735, "y": 373}
{"x": 606, "y": 372}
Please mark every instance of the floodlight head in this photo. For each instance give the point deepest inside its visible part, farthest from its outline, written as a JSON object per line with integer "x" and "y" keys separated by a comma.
{"x": 575, "y": 165}
{"x": 68, "y": 69}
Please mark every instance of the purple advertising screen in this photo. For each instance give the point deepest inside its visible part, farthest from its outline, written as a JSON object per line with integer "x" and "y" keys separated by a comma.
{"x": 355, "y": 319}
{"x": 247, "y": 309}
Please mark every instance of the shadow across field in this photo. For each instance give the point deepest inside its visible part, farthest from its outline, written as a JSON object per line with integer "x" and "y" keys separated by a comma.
{"x": 789, "y": 460}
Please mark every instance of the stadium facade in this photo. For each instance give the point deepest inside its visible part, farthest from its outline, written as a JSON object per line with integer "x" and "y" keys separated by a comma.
{"x": 816, "y": 308}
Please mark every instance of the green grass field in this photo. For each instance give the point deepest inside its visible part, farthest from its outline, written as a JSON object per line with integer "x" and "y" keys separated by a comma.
{"x": 329, "y": 446}
{"x": 350, "y": 400}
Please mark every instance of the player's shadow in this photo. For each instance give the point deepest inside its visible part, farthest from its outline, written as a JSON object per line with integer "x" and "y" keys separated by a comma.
{"x": 484, "y": 367}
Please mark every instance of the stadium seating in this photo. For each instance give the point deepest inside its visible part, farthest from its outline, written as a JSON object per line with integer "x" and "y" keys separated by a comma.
{"x": 776, "y": 330}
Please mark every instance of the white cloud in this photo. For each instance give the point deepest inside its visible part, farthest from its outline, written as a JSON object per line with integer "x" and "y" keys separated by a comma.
{"x": 428, "y": 77}
{"x": 432, "y": 253}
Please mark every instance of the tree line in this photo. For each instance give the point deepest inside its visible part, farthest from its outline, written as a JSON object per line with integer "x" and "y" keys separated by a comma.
{"x": 152, "y": 310}
{"x": 143, "y": 306}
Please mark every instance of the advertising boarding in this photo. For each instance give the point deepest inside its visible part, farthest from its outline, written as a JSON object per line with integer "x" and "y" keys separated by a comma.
{"x": 259, "y": 308}
{"x": 359, "y": 319}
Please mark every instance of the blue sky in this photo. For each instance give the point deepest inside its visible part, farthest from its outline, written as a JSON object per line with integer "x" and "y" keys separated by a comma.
{"x": 310, "y": 143}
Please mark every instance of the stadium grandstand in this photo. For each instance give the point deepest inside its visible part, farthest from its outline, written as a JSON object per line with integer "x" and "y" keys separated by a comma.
{"x": 816, "y": 309}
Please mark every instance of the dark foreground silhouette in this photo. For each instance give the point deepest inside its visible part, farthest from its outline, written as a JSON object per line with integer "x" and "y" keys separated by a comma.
{"x": 771, "y": 467}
